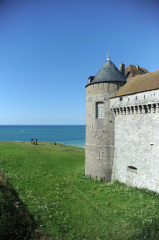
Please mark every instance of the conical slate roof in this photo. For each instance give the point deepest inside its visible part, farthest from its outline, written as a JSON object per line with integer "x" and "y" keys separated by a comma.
{"x": 108, "y": 73}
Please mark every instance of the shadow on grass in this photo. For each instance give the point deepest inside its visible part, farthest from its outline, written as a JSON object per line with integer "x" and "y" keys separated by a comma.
{"x": 15, "y": 222}
{"x": 149, "y": 232}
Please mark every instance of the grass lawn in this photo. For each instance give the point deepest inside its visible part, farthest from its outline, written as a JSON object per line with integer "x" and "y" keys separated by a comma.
{"x": 48, "y": 183}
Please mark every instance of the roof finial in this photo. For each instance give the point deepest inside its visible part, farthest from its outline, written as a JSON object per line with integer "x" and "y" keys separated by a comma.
{"x": 108, "y": 57}
{"x": 108, "y": 54}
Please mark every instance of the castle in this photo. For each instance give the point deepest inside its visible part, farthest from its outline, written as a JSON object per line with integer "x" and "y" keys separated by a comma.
{"x": 122, "y": 126}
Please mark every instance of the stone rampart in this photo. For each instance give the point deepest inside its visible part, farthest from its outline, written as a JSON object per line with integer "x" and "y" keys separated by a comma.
{"x": 136, "y": 156}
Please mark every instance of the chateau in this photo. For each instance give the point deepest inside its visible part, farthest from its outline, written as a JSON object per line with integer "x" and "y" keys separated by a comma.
{"x": 122, "y": 125}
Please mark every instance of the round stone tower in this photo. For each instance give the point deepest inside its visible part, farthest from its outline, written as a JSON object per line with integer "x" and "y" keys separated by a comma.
{"x": 99, "y": 149}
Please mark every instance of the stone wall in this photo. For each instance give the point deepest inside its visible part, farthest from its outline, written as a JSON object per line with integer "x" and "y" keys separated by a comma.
{"x": 99, "y": 151}
{"x": 136, "y": 157}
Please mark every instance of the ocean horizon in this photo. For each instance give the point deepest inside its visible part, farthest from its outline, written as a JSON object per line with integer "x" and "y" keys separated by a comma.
{"x": 67, "y": 134}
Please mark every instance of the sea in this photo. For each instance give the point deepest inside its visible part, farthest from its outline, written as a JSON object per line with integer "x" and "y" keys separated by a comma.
{"x": 73, "y": 135}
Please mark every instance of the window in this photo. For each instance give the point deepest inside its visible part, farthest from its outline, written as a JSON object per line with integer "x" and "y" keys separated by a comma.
{"x": 132, "y": 168}
{"x": 99, "y": 110}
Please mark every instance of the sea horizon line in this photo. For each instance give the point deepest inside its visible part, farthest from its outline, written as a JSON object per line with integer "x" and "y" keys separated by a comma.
{"x": 42, "y": 124}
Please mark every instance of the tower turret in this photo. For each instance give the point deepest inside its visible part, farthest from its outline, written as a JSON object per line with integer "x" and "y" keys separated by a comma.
{"x": 99, "y": 151}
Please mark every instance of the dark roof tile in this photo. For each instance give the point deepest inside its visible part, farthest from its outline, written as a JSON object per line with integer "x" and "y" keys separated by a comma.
{"x": 108, "y": 73}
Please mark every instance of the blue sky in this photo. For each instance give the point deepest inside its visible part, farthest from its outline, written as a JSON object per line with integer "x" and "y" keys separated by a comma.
{"x": 49, "y": 48}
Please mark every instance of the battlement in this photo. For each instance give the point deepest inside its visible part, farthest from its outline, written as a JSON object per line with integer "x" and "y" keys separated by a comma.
{"x": 139, "y": 103}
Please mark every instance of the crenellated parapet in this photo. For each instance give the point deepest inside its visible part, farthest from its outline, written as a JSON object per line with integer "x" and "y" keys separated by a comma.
{"x": 137, "y": 109}
{"x": 139, "y": 103}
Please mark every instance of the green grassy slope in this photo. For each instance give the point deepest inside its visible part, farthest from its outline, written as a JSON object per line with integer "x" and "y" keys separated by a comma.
{"x": 50, "y": 181}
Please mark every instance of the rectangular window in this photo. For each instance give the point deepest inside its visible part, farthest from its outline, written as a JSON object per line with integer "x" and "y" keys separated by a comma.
{"x": 99, "y": 110}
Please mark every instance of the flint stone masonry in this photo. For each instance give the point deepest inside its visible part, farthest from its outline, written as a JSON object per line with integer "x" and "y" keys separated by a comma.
{"x": 136, "y": 156}
{"x": 99, "y": 149}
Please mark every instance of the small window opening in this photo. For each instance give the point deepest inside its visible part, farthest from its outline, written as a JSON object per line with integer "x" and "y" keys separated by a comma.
{"x": 121, "y": 99}
{"x": 144, "y": 96}
{"x": 132, "y": 168}
{"x": 136, "y": 97}
{"x": 99, "y": 110}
